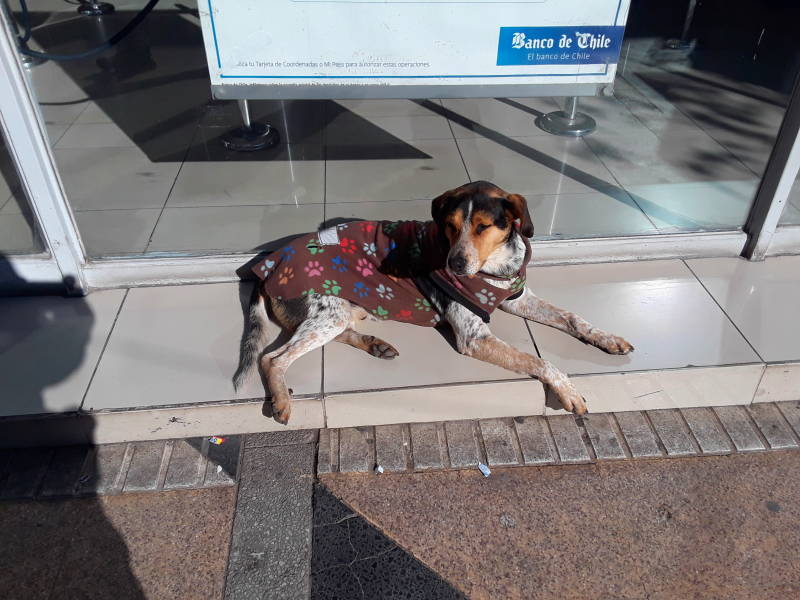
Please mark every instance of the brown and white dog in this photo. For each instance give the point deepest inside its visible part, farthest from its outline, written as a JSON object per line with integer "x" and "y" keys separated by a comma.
{"x": 480, "y": 229}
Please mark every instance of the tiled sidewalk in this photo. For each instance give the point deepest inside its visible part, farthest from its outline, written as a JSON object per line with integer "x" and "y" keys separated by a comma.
{"x": 156, "y": 363}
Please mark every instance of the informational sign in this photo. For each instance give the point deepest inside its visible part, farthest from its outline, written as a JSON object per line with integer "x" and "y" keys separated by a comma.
{"x": 407, "y": 42}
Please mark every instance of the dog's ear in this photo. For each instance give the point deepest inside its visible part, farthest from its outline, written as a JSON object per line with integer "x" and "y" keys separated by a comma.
{"x": 519, "y": 209}
{"x": 439, "y": 207}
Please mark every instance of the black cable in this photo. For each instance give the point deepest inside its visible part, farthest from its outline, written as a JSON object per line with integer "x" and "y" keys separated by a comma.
{"x": 108, "y": 44}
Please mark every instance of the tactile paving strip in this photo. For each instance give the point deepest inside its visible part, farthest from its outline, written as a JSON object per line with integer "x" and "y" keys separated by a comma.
{"x": 561, "y": 439}
{"x": 117, "y": 468}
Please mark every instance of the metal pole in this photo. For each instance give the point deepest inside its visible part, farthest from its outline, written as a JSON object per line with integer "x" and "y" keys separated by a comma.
{"x": 244, "y": 107}
{"x": 777, "y": 182}
{"x": 571, "y": 107}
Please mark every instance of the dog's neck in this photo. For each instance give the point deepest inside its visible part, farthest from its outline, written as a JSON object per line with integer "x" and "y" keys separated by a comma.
{"x": 507, "y": 260}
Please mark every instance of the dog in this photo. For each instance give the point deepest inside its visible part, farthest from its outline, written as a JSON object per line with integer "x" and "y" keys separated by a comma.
{"x": 455, "y": 269}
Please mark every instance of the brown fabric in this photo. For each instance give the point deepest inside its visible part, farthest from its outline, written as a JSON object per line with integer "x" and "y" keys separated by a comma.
{"x": 386, "y": 267}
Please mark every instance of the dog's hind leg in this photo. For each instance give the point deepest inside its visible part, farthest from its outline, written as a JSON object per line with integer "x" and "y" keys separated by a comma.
{"x": 368, "y": 343}
{"x": 327, "y": 318}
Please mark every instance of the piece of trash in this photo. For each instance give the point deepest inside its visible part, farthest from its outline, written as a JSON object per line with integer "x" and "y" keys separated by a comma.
{"x": 484, "y": 469}
{"x": 378, "y": 469}
{"x": 219, "y": 468}
{"x": 216, "y": 440}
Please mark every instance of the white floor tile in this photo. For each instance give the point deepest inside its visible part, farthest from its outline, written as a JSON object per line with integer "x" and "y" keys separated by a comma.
{"x": 385, "y": 108}
{"x": 444, "y": 403}
{"x": 536, "y": 165}
{"x": 426, "y": 358}
{"x": 696, "y": 206}
{"x": 98, "y": 178}
{"x": 256, "y": 183}
{"x": 496, "y": 115}
{"x": 93, "y": 114}
{"x": 587, "y": 215}
{"x": 398, "y": 210}
{"x": 180, "y": 345}
{"x": 115, "y": 232}
{"x": 762, "y": 298}
{"x": 397, "y": 179}
{"x": 232, "y": 228}
{"x": 50, "y": 347}
{"x": 781, "y": 383}
{"x": 17, "y": 236}
{"x": 681, "y": 388}
{"x": 658, "y": 306}
{"x": 414, "y": 127}
{"x": 55, "y": 131}
{"x": 637, "y": 156}
{"x": 95, "y": 135}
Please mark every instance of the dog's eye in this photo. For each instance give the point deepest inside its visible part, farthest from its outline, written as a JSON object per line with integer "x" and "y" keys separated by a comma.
{"x": 481, "y": 228}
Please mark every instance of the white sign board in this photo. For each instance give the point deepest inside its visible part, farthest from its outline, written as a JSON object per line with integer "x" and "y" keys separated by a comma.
{"x": 406, "y": 42}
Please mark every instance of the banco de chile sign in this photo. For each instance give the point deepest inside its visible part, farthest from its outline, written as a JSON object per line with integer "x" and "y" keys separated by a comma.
{"x": 595, "y": 45}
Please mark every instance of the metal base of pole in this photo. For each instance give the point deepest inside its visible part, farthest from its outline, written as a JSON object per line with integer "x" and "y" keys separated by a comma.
{"x": 559, "y": 122}
{"x": 95, "y": 9}
{"x": 30, "y": 62}
{"x": 257, "y": 136}
{"x": 252, "y": 135}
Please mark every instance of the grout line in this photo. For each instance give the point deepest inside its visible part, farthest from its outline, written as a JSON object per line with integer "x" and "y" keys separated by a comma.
{"x": 661, "y": 447}
{"x": 533, "y": 339}
{"x": 174, "y": 183}
{"x": 619, "y": 185}
{"x": 102, "y": 353}
{"x": 688, "y": 429}
{"x": 516, "y": 443}
{"x": 444, "y": 449}
{"x": 758, "y": 385}
{"x": 615, "y": 427}
{"x": 477, "y": 433}
{"x": 757, "y": 429}
{"x": 792, "y": 432}
{"x": 166, "y": 457}
{"x": 122, "y": 474}
{"x": 580, "y": 423}
{"x": 458, "y": 147}
{"x": 734, "y": 449}
{"x": 552, "y": 439}
{"x": 727, "y": 316}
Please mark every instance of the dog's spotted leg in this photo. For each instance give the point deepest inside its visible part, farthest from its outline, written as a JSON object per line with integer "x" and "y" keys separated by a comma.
{"x": 474, "y": 339}
{"x": 368, "y": 343}
{"x": 327, "y": 318}
{"x": 529, "y": 306}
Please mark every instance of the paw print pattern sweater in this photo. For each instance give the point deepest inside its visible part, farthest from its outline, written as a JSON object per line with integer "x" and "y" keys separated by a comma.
{"x": 386, "y": 267}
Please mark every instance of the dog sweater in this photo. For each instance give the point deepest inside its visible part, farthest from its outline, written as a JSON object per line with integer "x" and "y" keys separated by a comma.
{"x": 386, "y": 267}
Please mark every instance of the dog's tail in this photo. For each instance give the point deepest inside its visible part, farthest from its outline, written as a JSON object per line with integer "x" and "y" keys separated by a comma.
{"x": 253, "y": 337}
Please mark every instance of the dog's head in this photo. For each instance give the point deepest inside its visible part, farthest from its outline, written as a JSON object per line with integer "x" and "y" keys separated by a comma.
{"x": 477, "y": 219}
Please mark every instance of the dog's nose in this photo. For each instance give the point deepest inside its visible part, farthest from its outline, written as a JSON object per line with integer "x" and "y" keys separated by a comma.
{"x": 457, "y": 263}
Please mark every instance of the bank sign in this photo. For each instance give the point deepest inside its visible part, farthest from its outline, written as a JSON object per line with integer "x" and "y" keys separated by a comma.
{"x": 402, "y": 42}
{"x": 580, "y": 45}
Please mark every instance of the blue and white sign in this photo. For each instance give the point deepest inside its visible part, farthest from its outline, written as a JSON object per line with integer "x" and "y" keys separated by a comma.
{"x": 405, "y": 42}
{"x": 582, "y": 45}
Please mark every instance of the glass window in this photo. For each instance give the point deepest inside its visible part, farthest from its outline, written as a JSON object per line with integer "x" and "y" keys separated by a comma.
{"x": 791, "y": 211}
{"x": 19, "y": 233}
{"x": 680, "y": 147}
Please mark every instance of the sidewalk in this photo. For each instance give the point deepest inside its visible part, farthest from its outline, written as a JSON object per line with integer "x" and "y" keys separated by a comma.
{"x": 254, "y": 517}
{"x": 156, "y": 363}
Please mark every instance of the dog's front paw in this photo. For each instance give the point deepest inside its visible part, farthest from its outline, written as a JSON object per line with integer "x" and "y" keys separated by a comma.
{"x": 613, "y": 344}
{"x": 569, "y": 397}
